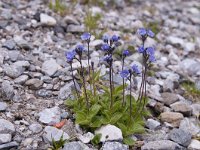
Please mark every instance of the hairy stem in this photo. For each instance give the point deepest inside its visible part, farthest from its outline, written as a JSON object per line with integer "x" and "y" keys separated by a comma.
{"x": 84, "y": 86}
{"x": 130, "y": 99}
{"x": 89, "y": 64}
{"x": 93, "y": 82}
{"x": 111, "y": 87}
{"x": 74, "y": 80}
{"x": 123, "y": 100}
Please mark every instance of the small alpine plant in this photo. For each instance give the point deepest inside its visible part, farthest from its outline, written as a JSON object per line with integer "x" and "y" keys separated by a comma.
{"x": 105, "y": 102}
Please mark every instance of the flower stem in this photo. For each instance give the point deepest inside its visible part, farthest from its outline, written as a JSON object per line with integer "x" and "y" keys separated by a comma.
{"x": 89, "y": 64}
{"x": 123, "y": 100}
{"x": 93, "y": 82}
{"x": 84, "y": 86}
{"x": 130, "y": 98}
{"x": 111, "y": 87}
{"x": 74, "y": 81}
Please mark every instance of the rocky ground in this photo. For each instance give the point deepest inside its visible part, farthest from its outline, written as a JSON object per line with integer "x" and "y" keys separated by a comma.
{"x": 35, "y": 78}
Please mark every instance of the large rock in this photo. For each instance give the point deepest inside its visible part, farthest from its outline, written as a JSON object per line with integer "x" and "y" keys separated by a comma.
{"x": 169, "y": 98}
{"x": 34, "y": 84}
{"x": 171, "y": 117}
{"x": 190, "y": 126}
{"x": 21, "y": 79}
{"x": 75, "y": 146}
{"x": 53, "y": 133}
{"x": 47, "y": 20}
{"x": 49, "y": 67}
{"x": 180, "y": 136}
{"x": 8, "y": 146}
{"x": 161, "y": 145}
{"x": 13, "y": 71}
{"x": 50, "y": 116}
{"x": 7, "y": 90}
{"x": 182, "y": 107}
{"x": 3, "y": 106}
{"x": 6, "y": 127}
{"x": 9, "y": 44}
{"x": 194, "y": 145}
{"x": 109, "y": 133}
{"x": 5, "y": 138}
{"x": 114, "y": 146}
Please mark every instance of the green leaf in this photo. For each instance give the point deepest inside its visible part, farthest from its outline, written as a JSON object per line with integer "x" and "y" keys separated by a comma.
{"x": 128, "y": 141}
{"x": 81, "y": 118}
{"x": 96, "y": 139}
{"x": 70, "y": 103}
{"x": 116, "y": 117}
{"x": 116, "y": 106}
{"x": 94, "y": 110}
{"x": 96, "y": 123}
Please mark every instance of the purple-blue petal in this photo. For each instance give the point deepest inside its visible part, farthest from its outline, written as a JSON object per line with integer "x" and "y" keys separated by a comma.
{"x": 152, "y": 58}
{"x": 150, "y": 33}
{"x": 115, "y": 38}
{"x": 141, "y": 49}
{"x": 105, "y": 38}
{"x": 142, "y": 31}
{"x": 124, "y": 73}
{"x": 136, "y": 69}
{"x": 126, "y": 53}
{"x": 70, "y": 55}
{"x": 150, "y": 51}
{"x": 105, "y": 47}
{"x": 85, "y": 36}
{"x": 108, "y": 58}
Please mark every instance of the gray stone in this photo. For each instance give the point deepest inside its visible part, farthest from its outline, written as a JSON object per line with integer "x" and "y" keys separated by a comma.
{"x": 169, "y": 98}
{"x": 50, "y": 116}
{"x": 47, "y": 20}
{"x": 35, "y": 128}
{"x": 13, "y": 71}
{"x": 196, "y": 110}
{"x": 6, "y": 126}
{"x": 9, "y": 44}
{"x": 168, "y": 85}
{"x": 70, "y": 20}
{"x": 152, "y": 124}
{"x": 197, "y": 84}
{"x": 161, "y": 145}
{"x": 14, "y": 55}
{"x": 114, "y": 146}
{"x": 5, "y": 138}
{"x": 190, "y": 66}
{"x": 194, "y": 145}
{"x": 23, "y": 44}
{"x": 21, "y": 79}
{"x": 171, "y": 117}
{"x": 155, "y": 135}
{"x": 8, "y": 146}
{"x": 75, "y": 146}
{"x": 182, "y": 107}
{"x": 53, "y": 133}
{"x": 44, "y": 93}
{"x": 65, "y": 115}
{"x": 7, "y": 90}
{"x": 109, "y": 133}
{"x": 3, "y": 106}
{"x": 75, "y": 28}
{"x": 175, "y": 41}
{"x": 65, "y": 91}
{"x": 190, "y": 126}
{"x": 180, "y": 136}
{"x": 86, "y": 138}
{"x": 34, "y": 84}
{"x": 50, "y": 67}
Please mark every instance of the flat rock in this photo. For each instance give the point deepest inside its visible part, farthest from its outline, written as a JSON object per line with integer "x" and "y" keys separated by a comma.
{"x": 175, "y": 41}
{"x": 180, "y": 136}
{"x": 52, "y": 132}
{"x": 152, "y": 124}
{"x": 22, "y": 43}
{"x": 9, "y": 44}
{"x": 34, "y": 84}
{"x": 47, "y": 20}
{"x": 161, "y": 145}
{"x": 75, "y": 146}
{"x": 50, "y": 115}
{"x": 196, "y": 110}
{"x": 65, "y": 91}
{"x": 13, "y": 71}
{"x": 7, "y": 90}
{"x": 114, "y": 146}
{"x": 171, "y": 117}
{"x": 194, "y": 145}
{"x": 169, "y": 98}
{"x": 35, "y": 128}
{"x": 6, "y": 126}
{"x": 190, "y": 66}
{"x": 5, "y": 138}
{"x": 8, "y": 146}
{"x": 182, "y": 107}
{"x": 3, "y": 106}
{"x": 49, "y": 67}
{"x": 70, "y": 20}
{"x": 21, "y": 79}
{"x": 109, "y": 133}
{"x": 190, "y": 126}
{"x": 75, "y": 28}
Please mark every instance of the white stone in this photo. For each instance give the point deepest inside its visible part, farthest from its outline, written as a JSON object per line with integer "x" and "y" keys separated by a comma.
{"x": 175, "y": 40}
{"x": 50, "y": 67}
{"x": 47, "y": 20}
{"x": 152, "y": 124}
{"x": 194, "y": 145}
{"x": 51, "y": 115}
{"x": 5, "y": 138}
{"x": 52, "y": 132}
{"x": 6, "y": 126}
{"x": 86, "y": 138}
{"x": 109, "y": 133}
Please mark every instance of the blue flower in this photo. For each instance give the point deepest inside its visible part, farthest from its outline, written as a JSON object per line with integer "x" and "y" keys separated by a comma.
{"x": 150, "y": 51}
{"x": 124, "y": 74}
{"x": 150, "y": 33}
{"x": 86, "y": 36}
{"x": 126, "y": 53}
{"x": 80, "y": 48}
{"x": 136, "y": 69}
{"x": 115, "y": 38}
{"x": 70, "y": 55}
{"x": 141, "y": 49}
{"x": 105, "y": 47}
{"x": 142, "y": 31}
{"x": 152, "y": 58}
{"x": 145, "y": 32}
{"x": 108, "y": 58}
{"x": 105, "y": 38}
